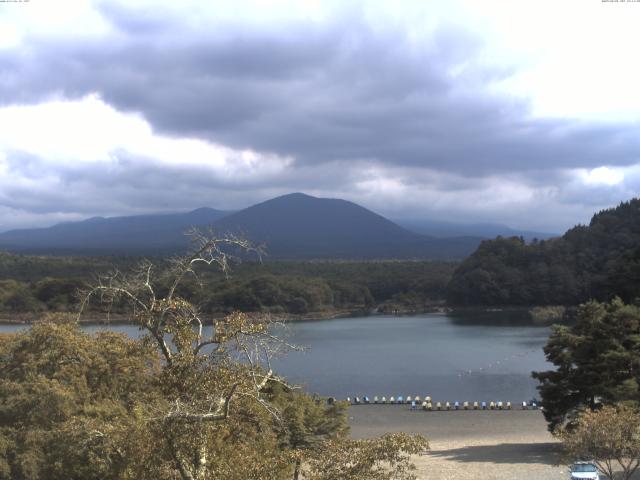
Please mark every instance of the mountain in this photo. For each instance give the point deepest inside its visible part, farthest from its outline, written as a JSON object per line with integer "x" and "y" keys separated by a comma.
{"x": 125, "y": 235}
{"x": 442, "y": 229}
{"x": 295, "y": 226}
{"x": 301, "y": 226}
{"x": 597, "y": 261}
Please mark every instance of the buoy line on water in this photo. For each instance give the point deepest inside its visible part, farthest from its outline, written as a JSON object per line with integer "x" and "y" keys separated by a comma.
{"x": 496, "y": 363}
{"x": 456, "y": 406}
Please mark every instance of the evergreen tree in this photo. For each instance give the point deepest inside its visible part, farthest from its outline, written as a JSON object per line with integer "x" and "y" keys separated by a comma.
{"x": 597, "y": 361}
{"x": 598, "y": 261}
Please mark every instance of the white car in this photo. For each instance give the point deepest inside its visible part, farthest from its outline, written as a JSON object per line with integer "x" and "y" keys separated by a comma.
{"x": 584, "y": 471}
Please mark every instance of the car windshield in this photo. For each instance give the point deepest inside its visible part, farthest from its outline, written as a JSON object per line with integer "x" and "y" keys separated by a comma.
{"x": 583, "y": 467}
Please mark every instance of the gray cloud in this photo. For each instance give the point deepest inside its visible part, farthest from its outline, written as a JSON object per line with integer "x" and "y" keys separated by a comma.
{"x": 134, "y": 184}
{"x": 339, "y": 97}
{"x": 317, "y": 92}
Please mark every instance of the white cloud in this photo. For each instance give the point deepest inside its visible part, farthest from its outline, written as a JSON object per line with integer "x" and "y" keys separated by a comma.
{"x": 603, "y": 176}
{"x": 575, "y": 57}
{"x": 90, "y": 131}
{"x": 76, "y": 18}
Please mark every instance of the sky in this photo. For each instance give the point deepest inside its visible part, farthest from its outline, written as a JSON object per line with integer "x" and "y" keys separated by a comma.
{"x": 519, "y": 112}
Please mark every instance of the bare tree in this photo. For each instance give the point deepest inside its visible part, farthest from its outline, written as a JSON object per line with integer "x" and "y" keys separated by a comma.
{"x": 215, "y": 384}
{"x": 204, "y": 371}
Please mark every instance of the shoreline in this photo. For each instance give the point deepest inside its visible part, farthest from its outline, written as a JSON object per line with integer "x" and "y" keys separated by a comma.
{"x": 120, "y": 319}
{"x": 29, "y": 318}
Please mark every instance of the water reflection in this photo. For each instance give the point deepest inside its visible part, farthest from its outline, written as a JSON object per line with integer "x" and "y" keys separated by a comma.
{"x": 493, "y": 317}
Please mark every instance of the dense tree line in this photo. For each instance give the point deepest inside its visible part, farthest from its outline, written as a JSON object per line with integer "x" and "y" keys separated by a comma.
{"x": 40, "y": 284}
{"x": 598, "y": 261}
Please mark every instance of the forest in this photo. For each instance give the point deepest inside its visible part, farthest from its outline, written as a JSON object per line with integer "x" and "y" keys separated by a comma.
{"x": 597, "y": 261}
{"x": 37, "y": 284}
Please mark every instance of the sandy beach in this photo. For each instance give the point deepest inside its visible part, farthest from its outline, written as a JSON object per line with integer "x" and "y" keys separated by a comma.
{"x": 492, "y": 445}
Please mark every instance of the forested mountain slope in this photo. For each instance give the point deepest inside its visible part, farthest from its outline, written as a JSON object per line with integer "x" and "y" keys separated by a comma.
{"x": 598, "y": 261}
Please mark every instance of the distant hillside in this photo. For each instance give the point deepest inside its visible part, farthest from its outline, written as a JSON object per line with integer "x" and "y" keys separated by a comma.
{"x": 436, "y": 228}
{"x": 123, "y": 235}
{"x": 597, "y": 261}
{"x": 301, "y": 226}
{"x": 294, "y": 226}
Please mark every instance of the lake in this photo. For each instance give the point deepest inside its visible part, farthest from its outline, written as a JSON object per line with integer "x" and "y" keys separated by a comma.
{"x": 472, "y": 357}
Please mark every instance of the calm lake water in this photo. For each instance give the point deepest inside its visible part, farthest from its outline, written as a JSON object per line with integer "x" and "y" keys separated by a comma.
{"x": 474, "y": 357}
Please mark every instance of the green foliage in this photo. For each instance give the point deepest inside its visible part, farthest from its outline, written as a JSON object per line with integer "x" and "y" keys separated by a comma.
{"x": 383, "y": 458}
{"x": 597, "y": 361}
{"x": 47, "y": 283}
{"x": 67, "y": 400}
{"x": 548, "y": 314}
{"x": 79, "y": 406}
{"x": 31, "y": 268}
{"x": 307, "y": 420}
{"x": 599, "y": 261}
{"x": 57, "y": 293}
{"x": 306, "y": 423}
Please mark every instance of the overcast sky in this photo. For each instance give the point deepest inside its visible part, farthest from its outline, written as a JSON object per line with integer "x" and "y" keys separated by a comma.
{"x": 520, "y": 112}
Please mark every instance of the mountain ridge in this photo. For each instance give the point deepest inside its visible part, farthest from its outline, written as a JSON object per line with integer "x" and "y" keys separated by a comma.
{"x": 122, "y": 233}
{"x": 488, "y": 230}
{"x": 294, "y": 226}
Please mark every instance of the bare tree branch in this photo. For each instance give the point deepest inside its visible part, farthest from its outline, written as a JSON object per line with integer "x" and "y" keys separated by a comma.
{"x": 200, "y": 388}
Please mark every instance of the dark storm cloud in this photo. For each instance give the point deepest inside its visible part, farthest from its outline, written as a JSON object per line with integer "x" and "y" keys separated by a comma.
{"x": 319, "y": 92}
